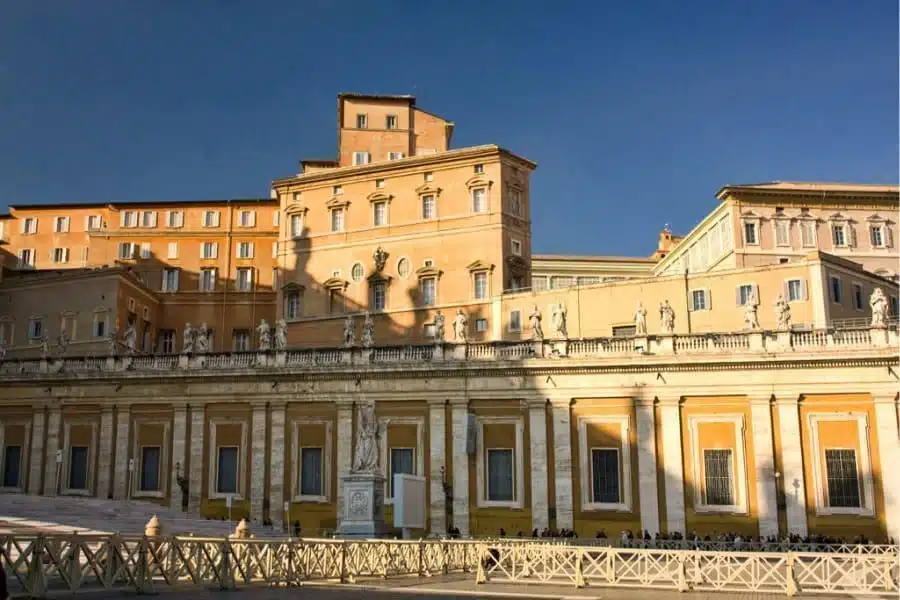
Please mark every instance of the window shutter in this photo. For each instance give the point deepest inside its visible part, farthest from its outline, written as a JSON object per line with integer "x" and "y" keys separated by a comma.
{"x": 179, "y": 218}
{"x": 276, "y": 218}
{"x": 65, "y": 255}
{"x": 803, "y": 290}
{"x": 852, "y": 231}
{"x": 215, "y": 246}
{"x": 87, "y": 222}
{"x": 708, "y": 295}
{"x": 153, "y": 219}
{"x": 145, "y": 250}
{"x": 888, "y": 236}
{"x": 252, "y": 218}
{"x": 177, "y": 273}
{"x": 22, "y": 225}
{"x": 737, "y": 296}
{"x": 251, "y": 249}
{"x": 756, "y": 293}
{"x": 274, "y": 249}
{"x": 216, "y": 219}
{"x": 122, "y": 218}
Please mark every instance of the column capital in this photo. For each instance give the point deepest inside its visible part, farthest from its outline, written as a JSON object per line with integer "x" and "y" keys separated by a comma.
{"x": 179, "y": 406}
{"x": 758, "y": 398}
{"x": 668, "y": 397}
{"x": 884, "y": 397}
{"x": 435, "y": 403}
{"x": 559, "y": 401}
{"x": 536, "y": 403}
{"x": 107, "y": 409}
{"x": 278, "y": 404}
{"x": 258, "y": 405}
{"x": 458, "y": 403}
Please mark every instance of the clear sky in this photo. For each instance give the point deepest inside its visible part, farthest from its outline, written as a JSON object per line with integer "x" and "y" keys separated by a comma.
{"x": 636, "y": 112}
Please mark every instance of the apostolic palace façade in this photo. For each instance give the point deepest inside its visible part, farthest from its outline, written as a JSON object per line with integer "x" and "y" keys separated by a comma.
{"x": 741, "y": 378}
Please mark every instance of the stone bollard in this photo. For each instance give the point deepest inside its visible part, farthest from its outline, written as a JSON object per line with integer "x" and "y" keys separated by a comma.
{"x": 242, "y": 531}
{"x": 153, "y": 528}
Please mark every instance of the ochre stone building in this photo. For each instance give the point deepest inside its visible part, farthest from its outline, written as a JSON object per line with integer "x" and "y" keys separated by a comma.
{"x": 554, "y": 406}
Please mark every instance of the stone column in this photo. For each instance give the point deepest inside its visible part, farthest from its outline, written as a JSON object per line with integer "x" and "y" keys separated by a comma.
{"x": 344, "y": 450}
{"x": 794, "y": 486}
{"x": 120, "y": 474}
{"x": 257, "y": 462}
{"x": 540, "y": 491}
{"x": 459, "y": 412}
{"x": 276, "y": 466}
{"x": 36, "y": 459}
{"x": 179, "y": 462}
{"x": 673, "y": 465}
{"x": 437, "y": 435}
{"x": 889, "y": 454}
{"x": 562, "y": 459}
{"x": 764, "y": 458}
{"x": 648, "y": 493}
{"x": 104, "y": 459}
{"x": 195, "y": 469}
{"x": 52, "y": 485}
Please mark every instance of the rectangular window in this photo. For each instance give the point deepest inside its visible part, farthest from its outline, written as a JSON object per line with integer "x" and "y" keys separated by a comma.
{"x": 429, "y": 176}
{"x": 837, "y": 295}
{"x": 29, "y": 226}
{"x": 838, "y": 235}
{"x": 61, "y": 224}
{"x": 276, "y": 218}
{"x": 843, "y": 478}
{"x": 100, "y": 325}
{"x": 337, "y": 219}
{"x": 60, "y": 255}
{"x": 337, "y": 190}
{"x": 227, "y": 470}
{"x": 782, "y": 232}
{"x": 149, "y": 481}
{"x": 403, "y": 462}
{"x": 794, "y": 290}
{"x": 247, "y": 218}
{"x": 12, "y": 466}
{"x": 172, "y": 250}
{"x": 515, "y": 320}
{"x": 745, "y": 292}
{"x": 35, "y": 329}
{"x": 379, "y": 213}
{"x": 750, "y": 234}
{"x": 605, "y": 475}
{"x": 209, "y": 250}
{"x": 857, "y": 296}
{"x": 207, "y": 280}
{"x": 170, "y": 280}
{"x": 175, "y": 218}
{"x": 718, "y": 477}
{"x": 296, "y": 226}
{"x": 481, "y": 325}
{"x": 428, "y": 206}
{"x": 362, "y": 121}
{"x": 390, "y": 122}
{"x": 515, "y": 283}
{"x": 379, "y": 295}
{"x": 428, "y": 330}
{"x": 92, "y": 223}
{"x": 379, "y": 183}
{"x": 481, "y": 286}
{"x": 244, "y": 280}
{"x": 245, "y": 250}
{"x": 241, "y": 340}
{"x": 335, "y": 302}
{"x": 478, "y": 168}
{"x": 148, "y": 218}
{"x": 517, "y": 247}
{"x": 428, "y": 288}
{"x": 698, "y": 300}
{"x": 877, "y": 235}
{"x": 211, "y": 218}
{"x": 808, "y": 233}
{"x": 479, "y": 200}
{"x": 500, "y": 475}
{"x": 539, "y": 284}
{"x": 127, "y": 250}
{"x": 361, "y": 158}
{"x": 167, "y": 341}
{"x": 515, "y": 202}
{"x": 145, "y": 250}
{"x": 624, "y": 331}
{"x": 78, "y": 468}
{"x": 311, "y": 472}
{"x": 292, "y": 305}
{"x": 559, "y": 282}
{"x": 395, "y": 155}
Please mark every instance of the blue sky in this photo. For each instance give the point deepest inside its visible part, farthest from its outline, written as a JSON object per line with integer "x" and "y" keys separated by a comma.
{"x": 636, "y": 112}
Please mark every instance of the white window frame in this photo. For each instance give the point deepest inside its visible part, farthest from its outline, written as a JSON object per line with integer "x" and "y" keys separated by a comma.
{"x": 276, "y": 218}
{"x": 29, "y": 226}
{"x": 148, "y": 219}
{"x": 211, "y": 219}
{"x": 296, "y": 219}
{"x": 383, "y": 205}
{"x": 516, "y": 247}
{"x": 754, "y": 221}
{"x": 812, "y": 223}
{"x": 287, "y": 296}
{"x": 804, "y": 294}
{"x": 175, "y": 219}
{"x": 864, "y": 467}
{"x": 786, "y": 223}
{"x": 361, "y": 158}
{"x": 213, "y": 460}
{"x": 586, "y": 465}
{"x": 418, "y": 451}
{"x": 212, "y": 287}
{"x": 165, "y": 279}
{"x": 244, "y": 250}
{"x": 474, "y": 195}
{"x": 212, "y": 254}
{"x": 172, "y": 250}
{"x": 509, "y": 325}
{"x": 754, "y": 290}
{"x": 93, "y": 222}
{"x": 63, "y": 258}
{"x": 433, "y": 200}
{"x": 839, "y": 299}
{"x": 481, "y": 325}
{"x": 61, "y": 224}
{"x": 133, "y": 250}
{"x": 243, "y": 286}
{"x": 739, "y": 453}
{"x": 362, "y": 121}
{"x": 518, "y": 462}
{"x": 487, "y": 284}
{"x": 297, "y": 444}
{"x": 249, "y": 221}
{"x": 389, "y": 124}
{"x": 67, "y": 457}
{"x": 341, "y": 226}
{"x": 242, "y": 335}
{"x": 421, "y": 287}
{"x": 374, "y": 285}
{"x": 396, "y": 155}
{"x": 400, "y": 262}
{"x": 145, "y": 250}
{"x": 706, "y": 300}
{"x": 841, "y": 226}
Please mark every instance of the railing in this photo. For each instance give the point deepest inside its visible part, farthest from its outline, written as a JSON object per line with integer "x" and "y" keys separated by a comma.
{"x": 861, "y": 323}
{"x": 38, "y": 565}
{"x": 746, "y": 342}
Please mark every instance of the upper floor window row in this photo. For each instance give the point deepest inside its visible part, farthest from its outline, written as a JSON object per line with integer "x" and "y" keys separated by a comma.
{"x": 362, "y": 121}
{"x": 843, "y": 231}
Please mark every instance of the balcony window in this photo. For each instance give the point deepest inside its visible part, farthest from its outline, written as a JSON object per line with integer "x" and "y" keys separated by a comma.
{"x": 379, "y": 213}
{"x": 244, "y": 279}
{"x": 296, "y": 226}
{"x": 428, "y": 290}
{"x": 337, "y": 219}
{"x": 428, "y": 207}
{"x": 207, "y": 280}
{"x": 379, "y": 295}
{"x": 241, "y": 340}
{"x": 293, "y": 304}
{"x": 481, "y": 285}
{"x": 479, "y": 200}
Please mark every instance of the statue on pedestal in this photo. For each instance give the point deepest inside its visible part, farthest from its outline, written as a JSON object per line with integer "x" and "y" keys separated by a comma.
{"x": 439, "y": 326}
{"x": 879, "y": 306}
{"x": 280, "y": 334}
{"x": 368, "y": 331}
{"x": 667, "y": 317}
{"x": 130, "y": 340}
{"x": 560, "y": 313}
{"x": 265, "y": 335}
{"x": 112, "y": 341}
{"x": 751, "y": 308}
{"x": 189, "y": 339}
{"x": 63, "y": 341}
{"x": 380, "y": 259}
{"x": 349, "y": 331}
{"x": 537, "y": 332}
{"x": 460, "y": 325}
{"x": 45, "y": 347}
{"x": 782, "y": 314}
{"x": 201, "y": 339}
{"x": 640, "y": 320}
{"x": 365, "y": 458}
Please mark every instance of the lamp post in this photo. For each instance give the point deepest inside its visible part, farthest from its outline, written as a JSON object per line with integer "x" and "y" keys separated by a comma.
{"x": 448, "y": 497}
{"x": 130, "y": 479}
{"x": 58, "y": 470}
{"x": 182, "y": 482}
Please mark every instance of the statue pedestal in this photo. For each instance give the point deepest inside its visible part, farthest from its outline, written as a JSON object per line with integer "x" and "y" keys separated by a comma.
{"x": 363, "y": 510}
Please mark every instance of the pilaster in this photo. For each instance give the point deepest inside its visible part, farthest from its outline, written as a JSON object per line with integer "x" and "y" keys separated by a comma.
{"x": 764, "y": 458}
{"x": 889, "y": 455}
{"x": 257, "y": 462}
{"x": 276, "y": 466}
{"x": 104, "y": 458}
{"x": 437, "y": 432}
{"x": 794, "y": 486}
{"x": 195, "y": 470}
{"x": 344, "y": 449}
{"x": 120, "y": 473}
{"x": 36, "y": 459}
{"x": 179, "y": 462}
{"x": 459, "y": 417}
{"x": 537, "y": 434}
{"x": 673, "y": 465}
{"x": 51, "y": 466}
{"x": 562, "y": 459}
{"x": 648, "y": 493}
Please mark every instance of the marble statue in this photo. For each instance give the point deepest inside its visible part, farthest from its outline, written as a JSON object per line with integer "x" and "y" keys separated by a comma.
{"x": 879, "y": 305}
{"x": 667, "y": 317}
{"x": 265, "y": 335}
{"x": 365, "y": 459}
{"x": 460, "y": 327}
{"x": 439, "y": 326}
{"x": 3, "y": 350}
{"x": 751, "y": 308}
{"x": 380, "y": 258}
{"x": 782, "y": 314}
{"x": 537, "y": 332}
{"x": 112, "y": 341}
{"x": 349, "y": 331}
{"x": 280, "y": 334}
{"x": 640, "y": 320}
{"x": 560, "y": 313}
{"x": 201, "y": 339}
{"x": 63, "y": 341}
{"x": 45, "y": 346}
{"x": 368, "y": 331}
{"x": 189, "y": 339}
{"x": 129, "y": 338}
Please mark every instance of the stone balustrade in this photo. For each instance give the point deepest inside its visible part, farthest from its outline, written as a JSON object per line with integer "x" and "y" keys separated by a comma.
{"x": 698, "y": 344}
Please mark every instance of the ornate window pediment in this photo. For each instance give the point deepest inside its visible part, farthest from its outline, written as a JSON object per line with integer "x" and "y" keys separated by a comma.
{"x": 428, "y": 272}
{"x": 876, "y": 219}
{"x": 293, "y": 286}
{"x": 68, "y": 313}
{"x": 295, "y": 209}
{"x": 839, "y": 218}
{"x": 749, "y": 214}
{"x": 337, "y": 202}
{"x": 428, "y": 188}
{"x": 336, "y": 283}
{"x": 379, "y": 196}
{"x": 479, "y": 181}
{"x": 378, "y": 276}
{"x": 480, "y": 265}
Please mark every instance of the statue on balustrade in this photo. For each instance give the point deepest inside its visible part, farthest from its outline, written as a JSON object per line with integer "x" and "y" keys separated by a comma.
{"x": 460, "y": 327}
{"x": 537, "y": 332}
{"x": 560, "y": 313}
{"x": 439, "y": 326}
{"x": 189, "y": 339}
{"x": 63, "y": 341}
{"x": 365, "y": 459}
{"x": 45, "y": 346}
{"x": 368, "y": 331}
{"x": 879, "y": 305}
{"x": 751, "y": 309}
{"x": 667, "y": 317}
{"x": 280, "y": 334}
{"x": 3, "y": 347}
{"x": 265, "y": 335}
{"x": 640, "y": 320}
{"x": 201, "y": 339}
{"x": 782, "y": 314}
{"x": 349, "y": 331}
{"x": 112, "y": 341}
{"x": 129, "y": 338}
